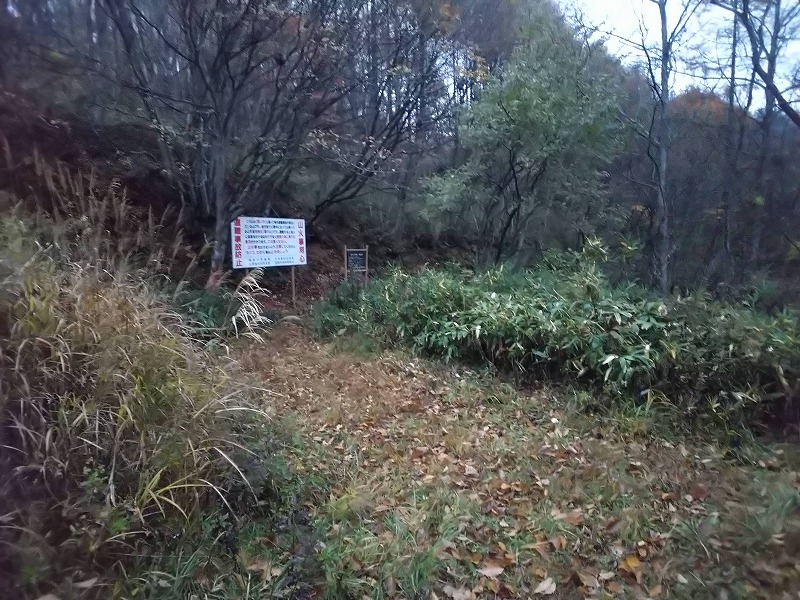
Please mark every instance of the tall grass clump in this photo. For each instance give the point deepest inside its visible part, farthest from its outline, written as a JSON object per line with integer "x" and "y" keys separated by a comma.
{"x": 120, "y": 432}
{"x": 566, "y": 319}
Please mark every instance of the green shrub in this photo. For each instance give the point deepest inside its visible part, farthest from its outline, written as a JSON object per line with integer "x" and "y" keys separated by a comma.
{"x": 566, "y": 318}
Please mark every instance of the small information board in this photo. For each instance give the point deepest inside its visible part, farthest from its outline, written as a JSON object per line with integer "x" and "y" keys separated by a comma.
{"x": 263, "y": 242}
{"x": 356, "y": 260}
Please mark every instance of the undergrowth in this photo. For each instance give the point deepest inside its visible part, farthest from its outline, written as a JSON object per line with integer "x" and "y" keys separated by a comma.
{"x": 130, "y": 447}
{"x": 711, "y": 362}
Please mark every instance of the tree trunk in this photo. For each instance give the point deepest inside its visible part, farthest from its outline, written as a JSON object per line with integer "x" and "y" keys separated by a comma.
{"x": 5, "y": 36}
{"x": 661, "y": 246}
{"x": 220, "y": 245}
{"x": 223, "y": 205}
{"x": 766, "y": 139}
{"x": 725, "y": 259}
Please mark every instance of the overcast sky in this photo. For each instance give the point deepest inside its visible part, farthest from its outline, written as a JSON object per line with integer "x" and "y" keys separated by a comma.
{"x": 630, "y": 20}
{"x": 623, "y": 20}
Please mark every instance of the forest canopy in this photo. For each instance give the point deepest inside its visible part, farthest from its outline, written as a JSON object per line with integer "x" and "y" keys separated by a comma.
{"x": 506, "y": 128}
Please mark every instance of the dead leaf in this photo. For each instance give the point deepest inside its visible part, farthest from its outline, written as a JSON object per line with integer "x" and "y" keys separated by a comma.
{"x": 588, "y": 580}
{"x": 546, "y": 588}
{"x": 85, "y": 585}
{"x": 656, "y": 591}
{"x": 607, "y": 575}
{"x": 574, "y": 518}
{"x": 459, "y": 594}
{"x": 682, "y": 579}
{"x": 264, "y": 564}
{"x": 389, "y": 586}
{"x": 491, "y": 571}
{"x": 419, "y": 452}
{"x": 558, "y": 542}
{"x": 541, "y": 547}
{"x": 614, "y": 587}
{"x": 631, "y": 563}
{"x": 699, "y": 492}
{"x": 470, "y": 471}
{"x": 540, "y": 572}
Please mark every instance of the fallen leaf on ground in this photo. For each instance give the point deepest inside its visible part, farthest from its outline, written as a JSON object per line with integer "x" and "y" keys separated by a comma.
{"x": 559, "y": 542}
{"x": 459, "y": 594}
{"x": 491, "y": 571}
{"x": 699, "y": 492}
{"x": 631, "y": 563}
{"x": 614, "y": 587}
{"x": 546, "y": 588}
{"x": 588, "y": 580}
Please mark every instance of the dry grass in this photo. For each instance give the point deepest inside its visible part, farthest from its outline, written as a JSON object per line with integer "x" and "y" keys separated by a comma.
{"x": 117, "y": 427}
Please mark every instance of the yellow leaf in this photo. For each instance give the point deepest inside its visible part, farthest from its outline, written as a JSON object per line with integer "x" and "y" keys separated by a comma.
{"x": 630, "y": 564}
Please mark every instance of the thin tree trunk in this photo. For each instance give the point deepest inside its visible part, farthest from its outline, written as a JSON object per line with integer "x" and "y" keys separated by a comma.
{"x": 726, "y": 258}
{"x": 661, "y": 249}
{"x": 766, "y": 140}
{"x": 5, "y": 36}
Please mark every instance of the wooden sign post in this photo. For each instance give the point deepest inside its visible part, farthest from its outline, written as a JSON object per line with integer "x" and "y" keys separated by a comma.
{"x": 294, "y": 291}
{"x": 356, "y": 260}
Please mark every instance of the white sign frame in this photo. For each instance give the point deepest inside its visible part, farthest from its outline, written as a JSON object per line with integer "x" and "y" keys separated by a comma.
{"x": 268, "y": 242}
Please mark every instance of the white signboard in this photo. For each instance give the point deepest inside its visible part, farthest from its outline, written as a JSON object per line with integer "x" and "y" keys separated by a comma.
{"x": 260, "y": 242}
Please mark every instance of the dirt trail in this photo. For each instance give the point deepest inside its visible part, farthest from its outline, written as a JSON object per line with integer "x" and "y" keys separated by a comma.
{"x": 447, "y": 484}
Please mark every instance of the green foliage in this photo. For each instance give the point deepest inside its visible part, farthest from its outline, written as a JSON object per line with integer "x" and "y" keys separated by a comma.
{"x": 534, "y": 143}
{"x": 695, "y": 354}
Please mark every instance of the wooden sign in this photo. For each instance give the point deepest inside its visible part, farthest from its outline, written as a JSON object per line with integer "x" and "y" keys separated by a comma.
{"x": 356, "y": 260}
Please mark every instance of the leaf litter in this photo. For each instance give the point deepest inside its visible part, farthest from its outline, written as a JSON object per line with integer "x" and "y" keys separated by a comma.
{"x": 437, "y": 490}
